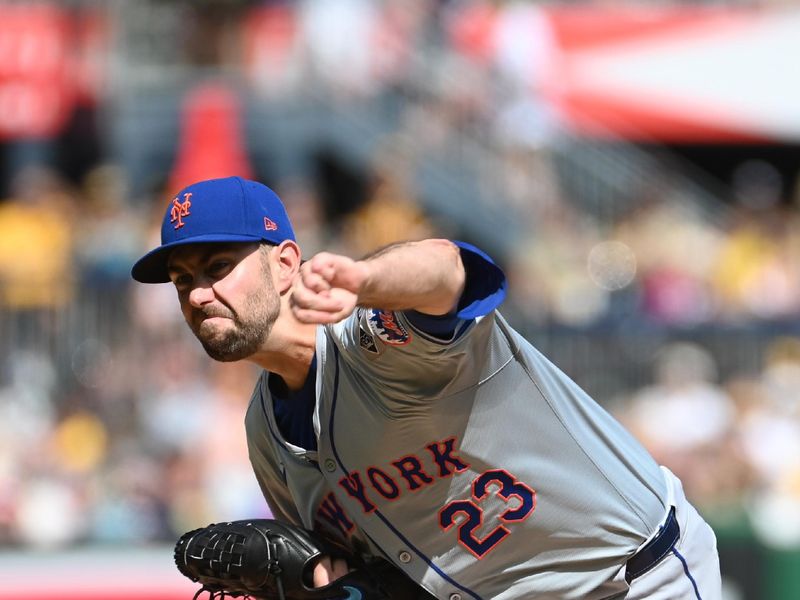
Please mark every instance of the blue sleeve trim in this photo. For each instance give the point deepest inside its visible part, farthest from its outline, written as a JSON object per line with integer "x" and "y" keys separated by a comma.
{"x": 486, "y": 284}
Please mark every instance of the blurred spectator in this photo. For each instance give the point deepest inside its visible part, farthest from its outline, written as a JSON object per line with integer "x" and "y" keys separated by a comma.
{"x": 391, "y": 212}
{"x": 769, "y": 427}
{"x": 49, "y": 513}
{"x": 129, "y": 501}
{"x": 548, "y": 275}
{"x": 36, "y": 248}
{"x": 27, "y": 416}
{"x": 307, "y": 215}
{"x": 685, "y": 398}
{"x": 330, "y": 50}
{"x": 229, "y": 483}
{"x": 108, "y": 232}
{"x": 672, "y": 269}
{"x": 756, "y": 273}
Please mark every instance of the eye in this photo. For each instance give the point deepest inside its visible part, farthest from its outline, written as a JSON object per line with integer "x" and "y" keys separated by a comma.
{"x": 219, "y": 267}
{"x": 182, "y": 280}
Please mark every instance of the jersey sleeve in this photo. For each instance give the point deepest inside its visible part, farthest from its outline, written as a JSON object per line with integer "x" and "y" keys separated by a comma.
{"x": 484, "y": 291}
{"x": 409, "y": 354}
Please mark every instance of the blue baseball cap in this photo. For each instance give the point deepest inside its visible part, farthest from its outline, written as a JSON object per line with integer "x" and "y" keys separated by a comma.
{"x": 231, "y": 209}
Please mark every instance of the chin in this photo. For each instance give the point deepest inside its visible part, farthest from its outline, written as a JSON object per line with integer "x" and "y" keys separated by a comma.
{"x": 226, "y": 354}
{"x": 228, "y": 348}
{"x": 225, "y": 358}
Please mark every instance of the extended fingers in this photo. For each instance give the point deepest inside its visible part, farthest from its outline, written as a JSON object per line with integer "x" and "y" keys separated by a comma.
{"x": 326, "y": 290}
{"x": 324, "y": 264}
{"x": 306, "y": 297}
{"x": 319, "y": 272}
{"x": 314, "y": 281}
{"x": 335, "y": 270}
{"x": 329, "y": 306}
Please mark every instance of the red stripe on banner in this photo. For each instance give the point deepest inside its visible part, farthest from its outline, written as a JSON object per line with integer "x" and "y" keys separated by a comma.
{"x": 600, "y": 85}
{"x": 577, "y": 28}
{"x": 616, "y": 119}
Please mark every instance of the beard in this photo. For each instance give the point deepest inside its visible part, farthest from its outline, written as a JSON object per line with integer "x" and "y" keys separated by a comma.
{"x": 249, "y": 328}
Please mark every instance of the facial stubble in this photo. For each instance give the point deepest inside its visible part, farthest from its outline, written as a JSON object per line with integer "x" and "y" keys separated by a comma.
{"x": 251, "y": 326}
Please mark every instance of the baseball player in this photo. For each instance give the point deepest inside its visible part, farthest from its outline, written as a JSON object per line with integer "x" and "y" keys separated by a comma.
{"x": 399, "y": 412}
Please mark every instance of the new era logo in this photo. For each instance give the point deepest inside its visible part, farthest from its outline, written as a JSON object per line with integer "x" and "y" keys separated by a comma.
{"x": 270, "y": 225}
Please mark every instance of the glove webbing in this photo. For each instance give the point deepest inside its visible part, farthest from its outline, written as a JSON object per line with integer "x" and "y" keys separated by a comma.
{"x": 232, "y": 544}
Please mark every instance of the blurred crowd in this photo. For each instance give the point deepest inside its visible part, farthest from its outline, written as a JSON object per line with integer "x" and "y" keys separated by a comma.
{"x": 115, "y": 428}
{"x": 735, "y": 443}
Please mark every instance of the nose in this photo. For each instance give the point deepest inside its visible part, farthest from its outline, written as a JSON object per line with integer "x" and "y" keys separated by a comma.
{"x": 201, "y": 295}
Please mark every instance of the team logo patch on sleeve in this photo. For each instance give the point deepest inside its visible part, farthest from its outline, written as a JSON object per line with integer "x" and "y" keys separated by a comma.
{"x": 388, "y": 328}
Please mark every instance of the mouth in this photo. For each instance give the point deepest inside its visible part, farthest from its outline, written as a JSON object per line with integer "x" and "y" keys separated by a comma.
{"x": 210, "y": 323}
{"x": 213, "y": 318}
{"x": 212, "y": 312}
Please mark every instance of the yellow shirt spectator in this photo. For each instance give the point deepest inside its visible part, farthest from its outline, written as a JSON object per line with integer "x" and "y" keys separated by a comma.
{"x": 35, "y": 256}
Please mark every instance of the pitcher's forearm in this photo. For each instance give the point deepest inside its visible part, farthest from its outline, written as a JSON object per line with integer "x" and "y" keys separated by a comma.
{"x": 427, "y": 276}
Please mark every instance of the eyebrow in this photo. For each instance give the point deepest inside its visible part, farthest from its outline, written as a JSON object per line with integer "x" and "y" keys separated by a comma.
{"x": 202, "y": 257}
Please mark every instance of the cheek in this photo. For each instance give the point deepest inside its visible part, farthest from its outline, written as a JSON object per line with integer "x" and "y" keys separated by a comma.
{"x": 256, "y": 302}
{"x": 186, "y": 308}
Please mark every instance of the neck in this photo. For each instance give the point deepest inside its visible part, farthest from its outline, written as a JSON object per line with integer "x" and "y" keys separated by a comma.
{"x": 288, "y": 352}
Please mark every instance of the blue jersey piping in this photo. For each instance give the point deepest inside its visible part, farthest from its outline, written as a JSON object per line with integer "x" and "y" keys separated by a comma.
{"x": 688, "y": 574}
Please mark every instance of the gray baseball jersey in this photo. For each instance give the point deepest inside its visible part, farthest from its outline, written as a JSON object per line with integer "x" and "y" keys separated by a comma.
{"x": 472, "y": 463}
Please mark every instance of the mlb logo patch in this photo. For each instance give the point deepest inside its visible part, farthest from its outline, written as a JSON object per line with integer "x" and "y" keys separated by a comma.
{"x": 388, "y": 328}
{"x": 366, "y": 341}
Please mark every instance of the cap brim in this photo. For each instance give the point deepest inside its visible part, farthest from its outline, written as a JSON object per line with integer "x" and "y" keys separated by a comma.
{"x": 152, "y": 267}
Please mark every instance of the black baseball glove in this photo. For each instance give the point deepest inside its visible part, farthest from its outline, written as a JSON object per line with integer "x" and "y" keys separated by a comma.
{"x": 266, "y": 559}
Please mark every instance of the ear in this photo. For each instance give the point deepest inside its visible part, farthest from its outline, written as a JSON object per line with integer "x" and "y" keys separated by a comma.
{"x": 288, "y": 258}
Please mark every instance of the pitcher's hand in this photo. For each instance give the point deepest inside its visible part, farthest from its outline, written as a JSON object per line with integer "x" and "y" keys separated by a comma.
{"x": 328, "y": 570}
{"x": 326, "y": 290}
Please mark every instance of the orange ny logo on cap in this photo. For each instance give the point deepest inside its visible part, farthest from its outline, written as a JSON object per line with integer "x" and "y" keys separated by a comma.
{"x": 180, "y": 210}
